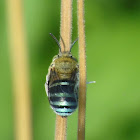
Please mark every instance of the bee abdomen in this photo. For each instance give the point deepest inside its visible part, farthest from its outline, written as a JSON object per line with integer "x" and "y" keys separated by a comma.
{"x": 62, "y": 97}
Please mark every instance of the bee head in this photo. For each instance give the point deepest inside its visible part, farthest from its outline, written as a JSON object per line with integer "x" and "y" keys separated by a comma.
{"x": 64, "y": 53}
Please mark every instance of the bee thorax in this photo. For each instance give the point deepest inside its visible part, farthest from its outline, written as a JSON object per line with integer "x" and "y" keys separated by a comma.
{"x": 65, "y": 75}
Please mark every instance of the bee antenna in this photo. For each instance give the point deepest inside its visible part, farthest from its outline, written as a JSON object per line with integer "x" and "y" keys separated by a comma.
{"x": 62, "y": 42}
{"x": 55, "y": 40}
{"x": 73, "y": 43}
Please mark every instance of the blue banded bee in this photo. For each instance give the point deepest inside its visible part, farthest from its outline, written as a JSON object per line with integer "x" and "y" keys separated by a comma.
{"x": 62, "y": 82}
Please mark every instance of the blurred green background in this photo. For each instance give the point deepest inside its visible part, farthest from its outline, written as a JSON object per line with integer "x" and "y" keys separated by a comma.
{"x": 113, "y": 61}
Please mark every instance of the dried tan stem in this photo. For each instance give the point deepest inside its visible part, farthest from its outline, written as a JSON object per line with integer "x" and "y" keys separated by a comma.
{"x": 65, "y": 32}
{"x": 61, "y": 124}
{"x": 82, "y": 71}
{"x": 19, "y": 66}
{"x": 66, "y": 24}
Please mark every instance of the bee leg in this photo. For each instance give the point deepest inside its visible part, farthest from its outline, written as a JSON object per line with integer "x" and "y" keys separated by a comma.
{"x": 91, "y": 82}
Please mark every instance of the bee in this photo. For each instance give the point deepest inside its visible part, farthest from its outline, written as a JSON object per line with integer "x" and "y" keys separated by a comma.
{"x": 62, "y": 82}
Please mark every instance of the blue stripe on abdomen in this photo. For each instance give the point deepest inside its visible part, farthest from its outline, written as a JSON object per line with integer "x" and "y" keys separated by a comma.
{"x": 62, "y": 98}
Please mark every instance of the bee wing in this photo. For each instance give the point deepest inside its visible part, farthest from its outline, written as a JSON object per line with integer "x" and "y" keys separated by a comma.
{"x": 75, "y": 77}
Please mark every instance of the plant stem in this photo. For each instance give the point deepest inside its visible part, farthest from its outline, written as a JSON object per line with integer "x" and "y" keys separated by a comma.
{"x": 65, "y": 32}
{"x": 66, "y": 24}
{"x": 82, "y": 71}
{"x": 19, "y": 67}
{"x": 61, "y": 124}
